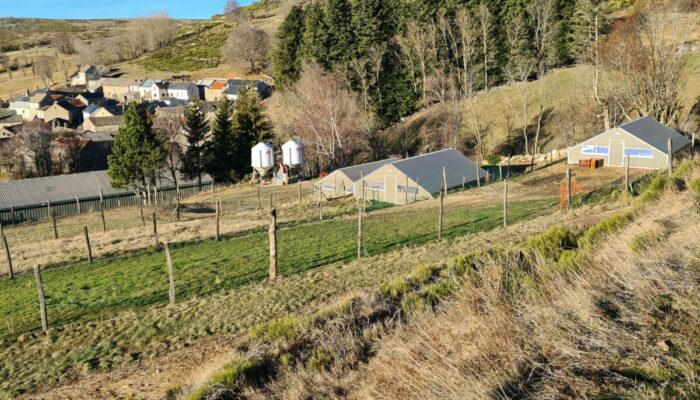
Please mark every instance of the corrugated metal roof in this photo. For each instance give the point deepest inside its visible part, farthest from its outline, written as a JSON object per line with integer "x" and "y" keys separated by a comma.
{"x": 36, "y": 191}
{"x": 426, "y": 169}
{"x": 655, "y": 134}
{"x": 355, "y": 172}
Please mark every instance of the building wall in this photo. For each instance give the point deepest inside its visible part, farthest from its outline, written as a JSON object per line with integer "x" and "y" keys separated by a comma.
{"x": 115, "y": 92}
{"x": 616, "y": 140}
{"x": 335, "y": 185}
{"x": 22, "y": 109}
{"x": 389, "y": 184}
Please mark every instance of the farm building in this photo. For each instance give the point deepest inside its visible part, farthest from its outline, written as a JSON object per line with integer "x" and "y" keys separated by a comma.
{"x": 340, "y": 182}
{"x": 418, "y": 178}
{"x": 644, "y": 141}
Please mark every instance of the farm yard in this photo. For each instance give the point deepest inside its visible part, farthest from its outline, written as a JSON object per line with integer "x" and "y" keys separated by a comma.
{"x": 133, "y": 283}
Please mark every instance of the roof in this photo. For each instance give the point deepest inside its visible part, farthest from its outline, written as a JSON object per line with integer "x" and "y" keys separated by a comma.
{"x": 66, "y": 104}
{"x": 36, "y": 191}
{"x": 655, "y": 134}
{"x": 121, "y": 82}
{"x": 107, "y": 121}
{"x": 218, "y": 85}
{"x": 98, "y": 136}
{"x": 9, "y": 117}
{"x": 180, "y": 85}
{"x": 91, "y": 96}
{"x": 426, "y": 169}
{"x": 91, "y": 109}
{"x": 87, "y": 67}
{"x": 150, "y": 82}
{"x": 355, "y": 172}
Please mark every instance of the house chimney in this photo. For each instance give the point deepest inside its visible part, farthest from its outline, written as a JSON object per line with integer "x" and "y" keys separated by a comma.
{"x": 28, "y": 93}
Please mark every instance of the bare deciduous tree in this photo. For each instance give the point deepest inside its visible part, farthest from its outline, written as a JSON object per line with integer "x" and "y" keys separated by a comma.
{"x": 87, "y": 52}
{"x": 63, "y": 42}
{"x": 488, "y": 40}
{"x": 248, "y": 45}
{"x": 644, "y": 63}
{"x": 234, "y": 12}
{"x": 544, "y": 24}
{"x": 35, "y": 143}
{"x": 417, "y": 46}
{"x": 45, "y": 66}
{"x": 325, "y": 115}
{"x": 444, "y": 89}
{"x": 170, "y": 129}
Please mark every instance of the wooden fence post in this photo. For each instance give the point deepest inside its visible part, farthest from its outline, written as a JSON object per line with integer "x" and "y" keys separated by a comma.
{"x": 213, "y": 202}
{"x": 670, "y": 157}
{"x": 177, "y": 208}
{"x": 440, "y": 215}
{"x": 102, "y": 214}
{"x": 692, "y": 146}
{"x": 8, "y": 258}
{"x": 464, "y": 181}
{"x": 12, "y": 214}
{"x": 101, "y": 196}
{"x": 87, "y": 244}
{"x": 218, "y": 217}
{"x": 627, "y": 174}
{"x": 444, "y": 179}
{"x": 320, "y": 203}
{"x": 55, "y": 228}
{"x": 77, "y": 202}
{"x": 259, "y": 201}
{"x": 505, "y": 202}
{"x": 500, "y": 171}
{"x": 478, "y": 176}
{"x": 568, "y": 189}
{"x": 143, "y": 219}
{"x": 171, "y": 274}
{"x": 274, "y": 194}
{"x": 48, "y": 209}
{"x": 240, "y": 205}
{"x": 155, "y": 230}
{"x": 359, "y": 229}
{"x": 272, "y": 236}
{"x": 299, "y": 191}
{"x": 42, "y": 299}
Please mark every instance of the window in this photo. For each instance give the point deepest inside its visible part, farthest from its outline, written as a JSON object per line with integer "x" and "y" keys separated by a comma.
{"x": 411, "y": 190}
{"x": 328, "y": 186}
{"x": 595, "y": 150}
{"x": 639, "y": 153}
{"x": 375, "y": 186}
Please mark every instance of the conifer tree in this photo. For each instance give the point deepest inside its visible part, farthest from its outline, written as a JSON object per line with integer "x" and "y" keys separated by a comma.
{"x": 250, "y": 126}
{"x": 286, "y": 56}
{"x": 137, "y": 152}
{"x": 221, "y": 152}
{"x": 196, "y": 126}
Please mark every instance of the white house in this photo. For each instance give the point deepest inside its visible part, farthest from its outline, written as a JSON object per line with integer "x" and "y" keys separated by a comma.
{"x": 151, "y": 89}
{"x": 85, "y": 73}
{"x": 185, "y": 91}
{"x": 20, "y": 105}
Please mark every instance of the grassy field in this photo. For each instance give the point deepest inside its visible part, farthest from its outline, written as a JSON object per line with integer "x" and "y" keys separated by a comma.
{"x": 84, "y": 293}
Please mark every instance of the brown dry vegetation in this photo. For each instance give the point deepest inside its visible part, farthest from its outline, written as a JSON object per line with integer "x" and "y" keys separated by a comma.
{"x": 540, "y": 317}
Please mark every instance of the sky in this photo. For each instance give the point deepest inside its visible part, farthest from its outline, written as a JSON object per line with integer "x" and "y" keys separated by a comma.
{"x": 93, "y": 9}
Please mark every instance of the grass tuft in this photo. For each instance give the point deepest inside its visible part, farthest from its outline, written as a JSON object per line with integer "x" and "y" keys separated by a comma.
{"x": 320, "y": 359}
{"x": 552, "y": 243}
{"x": 643, "y": 241}
{"x": 288, "y": 329}
{"x": 395, "y": 288}
{"x": 236, "y": 373}
{"x": 422, "y": 274}
{"x": 412, "y": 303}
{"x": 604, "y": 227}
{"x": 436, "y": 292}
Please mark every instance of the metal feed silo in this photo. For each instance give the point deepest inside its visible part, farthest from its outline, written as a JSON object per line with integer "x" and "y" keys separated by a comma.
{"x": 261, "y": 156}
{"x": 292, "y": 153}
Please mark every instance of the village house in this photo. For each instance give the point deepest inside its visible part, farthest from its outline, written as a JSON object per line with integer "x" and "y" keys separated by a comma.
{"x": 185, "y": 91}
{"x": 88, "y": 98}
{"x": 233, "y": 86}
{"x": 215, "y": 90}
{"x": 103, "y": 124}
{"x": 121, "y": 89}
{"x": 20, "y": 105}
{"x": 103, "y": 110}
{"x": 65, "y": 113}
{"x": 643, "y": 143}
{"x": 85, "y": 73}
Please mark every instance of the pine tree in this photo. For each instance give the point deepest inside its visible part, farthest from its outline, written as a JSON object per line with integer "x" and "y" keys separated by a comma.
{"x": 286, "y": 56}
{"x": 193, "y": 164}
{"x": 250, "y": 126}
{"x": 337, "y": 15}
{"x": 136, "y": 153}
{"x": 221, "y": 152}
{"x": 316, "y": 40}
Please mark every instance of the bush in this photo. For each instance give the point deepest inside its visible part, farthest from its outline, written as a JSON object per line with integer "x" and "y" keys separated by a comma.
{"x": 604, "y": 227}
{"x": 412, "y": 303}
{"x": 642, "y": 241}
{"x": 493, "y": 159}
{"x": 287, "y": 329}
{"x": 550, "y": 244}
{"x": 395, "y": 288}
{"x": 654, "y": 189}
{"x": 684, "y": 168}
{"x": 236, "y": 372}
{"x": 569, "y": 261}
{"x": 436, "y": 292}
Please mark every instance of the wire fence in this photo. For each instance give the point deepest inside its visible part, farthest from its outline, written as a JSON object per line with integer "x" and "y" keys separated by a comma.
{"x": 242, "y": 256}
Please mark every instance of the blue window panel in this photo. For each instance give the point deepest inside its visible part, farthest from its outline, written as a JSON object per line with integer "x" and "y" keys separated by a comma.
{"x": 595, "y": 150}
{"x": 328, "y": 186}
{"x": 375, "y": 185}
{"x": 639, "y": 153}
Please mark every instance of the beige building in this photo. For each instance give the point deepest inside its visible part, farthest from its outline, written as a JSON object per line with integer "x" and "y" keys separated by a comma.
{"x": 103, "y": 124}
{"x": 120, "y": 88}
{"x": 402, "y": 181}
{"x": 63, "y": 113}
{"x": 643, "y": 141}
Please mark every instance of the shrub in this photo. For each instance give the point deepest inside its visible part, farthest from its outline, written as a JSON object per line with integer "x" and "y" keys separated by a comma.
{"x": 235, "y": 373}
{"x": 550, "y": 244}
{"x": 395, "y": 288}
{"x": 569, "y": 261}
{"x": 684, "y": 168}
{"x": 412, "y": 303}
{"x": 604, "y": 227}
{"x": 695, "y": 188}
{"x": 466, "y": 263}
{"x": 642, "y": 241}
{"x": 654, "y": 189}
{"x": 320, "y": 359}
{"x": 287, "y": 329}
{"x": 493, "y": 159}
{"x": 436, "y": 292}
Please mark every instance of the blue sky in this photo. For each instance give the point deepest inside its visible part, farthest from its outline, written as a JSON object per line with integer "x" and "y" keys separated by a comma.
{"x": 89, "y": 9}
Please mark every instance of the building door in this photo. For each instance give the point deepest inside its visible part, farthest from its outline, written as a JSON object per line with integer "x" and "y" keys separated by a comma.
{"x": 390, "y": 189}
{"x": 616, "y": 152}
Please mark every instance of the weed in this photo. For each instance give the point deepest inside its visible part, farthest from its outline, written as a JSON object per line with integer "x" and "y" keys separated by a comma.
{"x": 412, "y": 303}
{"x": 642, "y": 241}
{"x": 436, "y": 292}
{"x": 654, "y": 189}
{"x": 516, "y": 284}
{"x": 236, "y": 373}
{"x": 695, "y": 188}
{"x": 320, "y": 359}
{"x": 285, "y": 359}
{"x": 422, "y": 274}
{"x": 684, "y": 169}
{"x": 287, "y": 329}
{"x": 395, "y": 288}
{"x": 569, "y": 261}
{"x": 604, "y": 227}
{"x": 199, "y": 393}
{"x": 552, "y": 243}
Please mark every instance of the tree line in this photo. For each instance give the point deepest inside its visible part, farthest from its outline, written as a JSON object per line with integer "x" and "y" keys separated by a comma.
{"x": 193, "y": 145}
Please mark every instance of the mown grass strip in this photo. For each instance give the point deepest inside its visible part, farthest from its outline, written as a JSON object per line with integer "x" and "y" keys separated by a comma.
{"x": 85, "y": 293}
